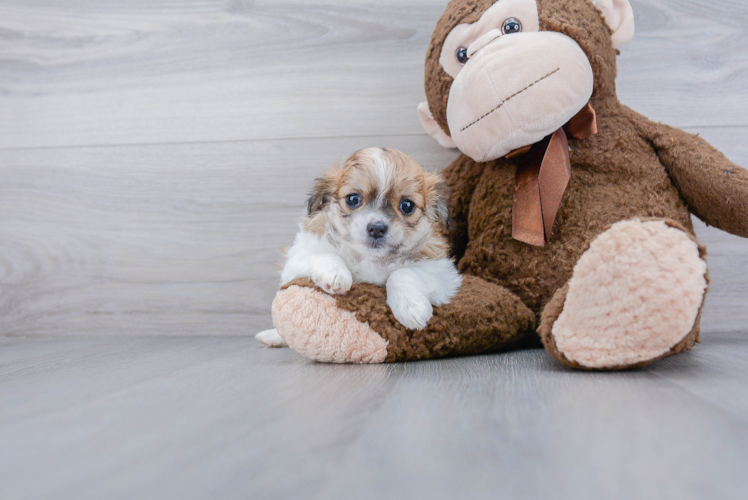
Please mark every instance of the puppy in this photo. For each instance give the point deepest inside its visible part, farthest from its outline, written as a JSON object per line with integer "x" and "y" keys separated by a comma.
{"x": 380, "y": 219}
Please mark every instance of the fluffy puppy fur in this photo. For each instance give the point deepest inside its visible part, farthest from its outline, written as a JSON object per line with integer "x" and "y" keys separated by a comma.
{"x": 379, "y": 219}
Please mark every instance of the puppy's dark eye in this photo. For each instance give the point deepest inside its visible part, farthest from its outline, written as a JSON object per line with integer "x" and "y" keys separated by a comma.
{"x": 353, "y": 200}
{"x": 461, "y": 55}
{"x": 511, "y": 26}
{"x": 407, "y": 207}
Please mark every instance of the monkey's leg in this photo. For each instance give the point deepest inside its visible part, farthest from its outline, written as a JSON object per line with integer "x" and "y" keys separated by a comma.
{"x": 635, "y": 296}
{"x": 359, "y": 327}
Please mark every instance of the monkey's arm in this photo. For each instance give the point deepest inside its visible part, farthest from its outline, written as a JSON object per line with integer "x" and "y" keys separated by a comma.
{"x": 462, "y": 177}
{"x": 715, "y": 189}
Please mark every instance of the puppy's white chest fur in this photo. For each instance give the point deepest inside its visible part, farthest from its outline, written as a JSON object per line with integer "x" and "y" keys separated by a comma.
{"x": 367, "y": 270}
{"x": 412, "y": 286}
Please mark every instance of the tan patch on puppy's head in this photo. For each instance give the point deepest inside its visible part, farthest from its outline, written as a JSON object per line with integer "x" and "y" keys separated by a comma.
{"x": 382, "y": 203}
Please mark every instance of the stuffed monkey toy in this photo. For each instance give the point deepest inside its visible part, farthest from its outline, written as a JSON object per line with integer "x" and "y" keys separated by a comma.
{"x": 570, "y": 212}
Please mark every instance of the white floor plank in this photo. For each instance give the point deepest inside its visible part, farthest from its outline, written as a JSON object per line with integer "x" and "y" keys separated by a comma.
{"x": 518, "y": 426}
{"x": 80, "y": 73}
{"x": 225, "y": 418}
{"x": 716, "y": 373}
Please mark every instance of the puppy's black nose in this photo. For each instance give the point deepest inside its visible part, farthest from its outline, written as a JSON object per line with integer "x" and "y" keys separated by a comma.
{"x": 377, "y": 229}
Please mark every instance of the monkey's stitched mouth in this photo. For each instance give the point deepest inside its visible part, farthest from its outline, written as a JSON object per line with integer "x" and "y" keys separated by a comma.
{"x": 498, "y": 106}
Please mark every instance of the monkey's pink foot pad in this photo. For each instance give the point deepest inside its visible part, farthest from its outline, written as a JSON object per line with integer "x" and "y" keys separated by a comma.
{"x": 634, "y": 296}
{"x": 313, "y": 325}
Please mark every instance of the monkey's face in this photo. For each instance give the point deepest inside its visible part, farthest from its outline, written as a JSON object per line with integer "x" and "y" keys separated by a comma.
{"x": 512, "y": 84}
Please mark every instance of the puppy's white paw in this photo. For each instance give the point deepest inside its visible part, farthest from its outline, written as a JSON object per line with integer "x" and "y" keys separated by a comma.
{"x": 271, "y": 338}
{"x": 411, "y": 307}
{"x": 333, "y": 278}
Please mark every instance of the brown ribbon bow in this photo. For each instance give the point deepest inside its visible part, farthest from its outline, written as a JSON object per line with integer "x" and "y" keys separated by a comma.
{"x": 543, "y": 173}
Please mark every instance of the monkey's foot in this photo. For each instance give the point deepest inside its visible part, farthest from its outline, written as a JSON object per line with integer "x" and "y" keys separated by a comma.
{"x": 313, "y": 325}
{"x": 359, "y": 327}
{"x": 635, "y": 296}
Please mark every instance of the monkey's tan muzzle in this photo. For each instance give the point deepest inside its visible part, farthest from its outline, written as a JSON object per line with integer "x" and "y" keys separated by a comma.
{"x": 515, "y": 90}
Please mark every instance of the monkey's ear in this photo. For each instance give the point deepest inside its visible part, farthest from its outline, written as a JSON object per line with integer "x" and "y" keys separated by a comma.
{"x": 620, "y": 17}
{"x": 432, "y": 128}
{"x": 323, "y": 190}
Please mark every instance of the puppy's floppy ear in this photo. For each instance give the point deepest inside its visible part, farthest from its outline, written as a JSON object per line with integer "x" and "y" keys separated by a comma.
{"x": 324, "y": 190}
{"x": 436, "y": 198}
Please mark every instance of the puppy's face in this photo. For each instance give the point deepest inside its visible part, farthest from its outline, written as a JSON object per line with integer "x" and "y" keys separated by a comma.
{"x": 381, "y": 203}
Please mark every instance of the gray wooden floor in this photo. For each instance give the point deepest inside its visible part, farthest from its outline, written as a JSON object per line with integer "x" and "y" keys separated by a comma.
{"x": 153, "y": 160}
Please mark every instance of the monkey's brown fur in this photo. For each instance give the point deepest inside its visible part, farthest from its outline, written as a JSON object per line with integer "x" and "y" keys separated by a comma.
{"x": 482, "y": 317}
{"x": 632, "y": 168}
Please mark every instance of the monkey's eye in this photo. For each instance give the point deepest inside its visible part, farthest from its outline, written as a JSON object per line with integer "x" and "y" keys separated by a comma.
{"x": 407, "y": 207}
{"x": 511, "y": 26}
{"x": 353, "y": 200}
{"x": 461, "y": 55}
